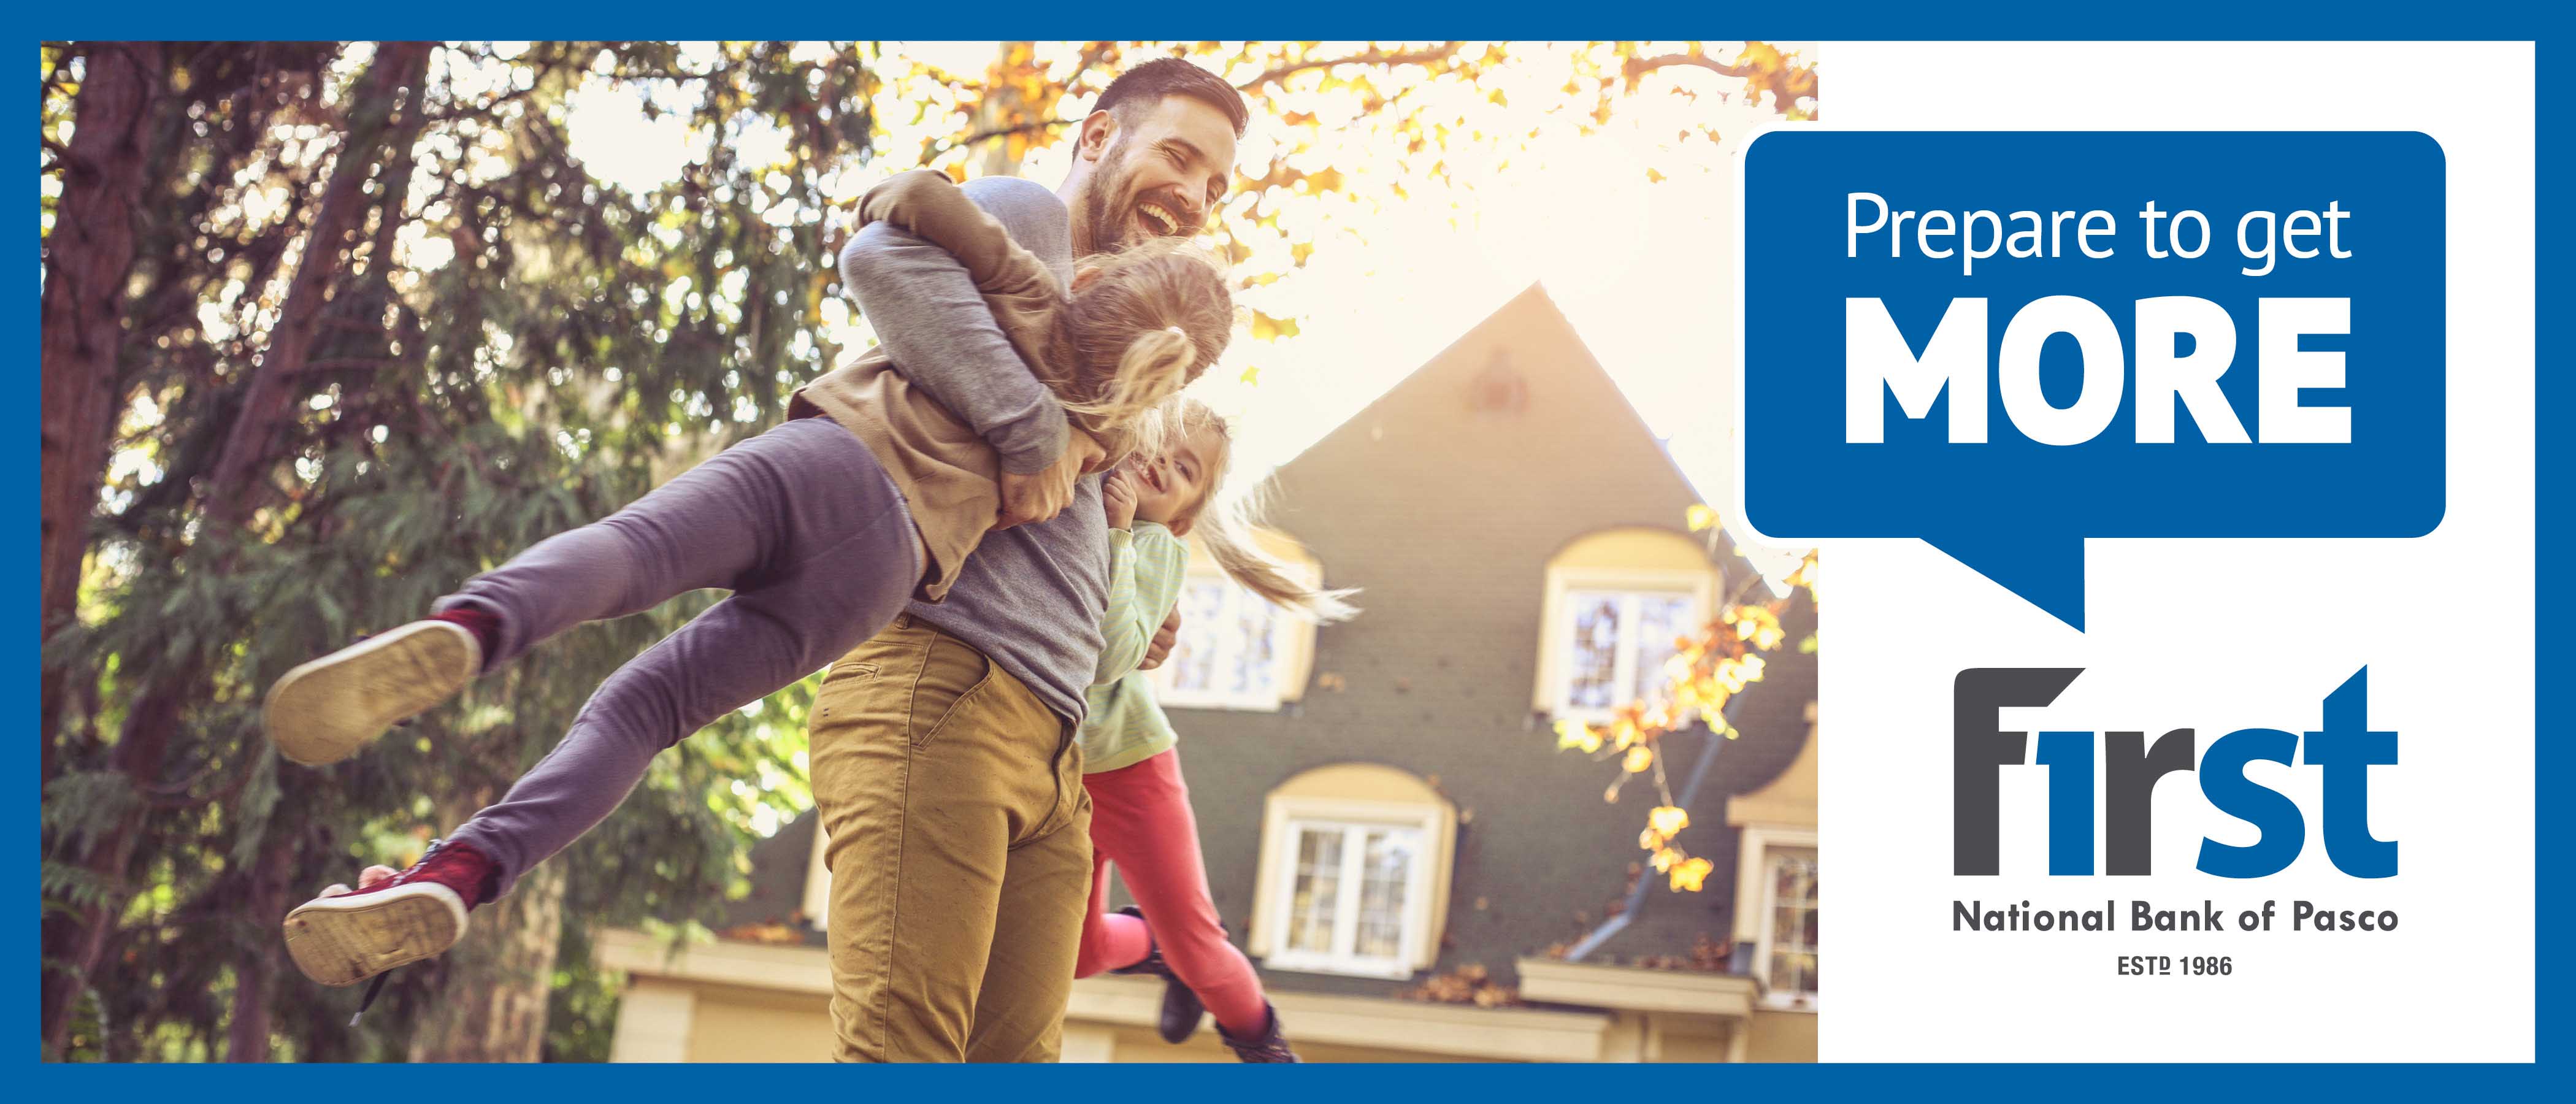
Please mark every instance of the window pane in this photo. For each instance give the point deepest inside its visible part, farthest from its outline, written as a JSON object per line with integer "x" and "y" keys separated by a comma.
{"x": 1794, "y": 914}
{"x": 1254, "y": 670}
{"x": 1592, "y": 674}
{"x": 1391, "y": 855}
{"x": 1792, "y": 972}
{"x": 1660, "y": 618}
{"x": 1194, "y": 654}
{"x": 1318, "y": 882}
{"x": 1793, "y": 876}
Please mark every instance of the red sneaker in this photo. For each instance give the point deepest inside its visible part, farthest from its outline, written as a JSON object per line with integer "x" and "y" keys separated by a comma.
{"x": 346, "y": 938}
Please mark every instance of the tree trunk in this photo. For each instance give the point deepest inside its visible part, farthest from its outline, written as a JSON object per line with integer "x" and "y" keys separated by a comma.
{"x": 491, "y": 1004}
{"x": 394, "y": 79}
{"x": 138, "y": 753}
{"x": 247, "y": 1036}
{"x": 229, "y": 495}
{"x": 87, "y": 259}
{"x": 1004, "y": 107}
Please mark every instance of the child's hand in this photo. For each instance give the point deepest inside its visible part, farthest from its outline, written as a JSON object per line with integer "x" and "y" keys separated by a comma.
{"x": 1118, "y": 498}
{"x": 1039, "y": 496}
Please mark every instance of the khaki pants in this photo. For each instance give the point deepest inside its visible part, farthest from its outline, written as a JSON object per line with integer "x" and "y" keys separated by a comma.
{"x": 960, "y": 852}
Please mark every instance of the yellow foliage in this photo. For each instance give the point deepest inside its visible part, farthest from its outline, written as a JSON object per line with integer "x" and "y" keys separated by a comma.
{"x": 1266, "y": 328}
{"x": 1689, "y": 874}
{"x": 1668, "y": 820}
{"x": 1639, "y": 758}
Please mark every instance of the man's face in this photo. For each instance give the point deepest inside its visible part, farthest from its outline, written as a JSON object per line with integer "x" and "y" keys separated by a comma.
{"x": 1160, "y": 176}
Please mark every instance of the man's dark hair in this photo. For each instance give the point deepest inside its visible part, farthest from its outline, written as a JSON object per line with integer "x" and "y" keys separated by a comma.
{"x": 1148, "y": 84}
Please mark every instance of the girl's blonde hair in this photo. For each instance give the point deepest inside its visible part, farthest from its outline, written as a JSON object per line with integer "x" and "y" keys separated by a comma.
{"x": 1153, "y": 318}
{"x": 1226, "y": 529}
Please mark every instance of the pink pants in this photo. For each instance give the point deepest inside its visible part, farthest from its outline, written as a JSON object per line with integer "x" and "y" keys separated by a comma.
{"x": 1140, "y": 819}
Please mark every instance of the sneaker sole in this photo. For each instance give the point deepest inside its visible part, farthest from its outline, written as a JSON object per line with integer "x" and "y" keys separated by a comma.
{"x": 324, "y": 711}
{"x": 343, "y": 941}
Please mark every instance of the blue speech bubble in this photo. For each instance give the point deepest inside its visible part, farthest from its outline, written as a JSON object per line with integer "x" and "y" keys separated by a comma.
{"x": 1854, "y": 359}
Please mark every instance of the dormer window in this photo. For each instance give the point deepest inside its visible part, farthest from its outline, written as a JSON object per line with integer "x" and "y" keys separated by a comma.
{"x": 1236, "y": 650}
{"x": 1616, "y": 602}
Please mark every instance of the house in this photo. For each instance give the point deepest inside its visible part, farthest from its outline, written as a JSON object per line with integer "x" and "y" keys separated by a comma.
{"x": 1383, "y": 814}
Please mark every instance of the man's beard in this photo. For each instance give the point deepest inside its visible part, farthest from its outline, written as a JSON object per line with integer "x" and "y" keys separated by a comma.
{"x": 1107, "y": 183}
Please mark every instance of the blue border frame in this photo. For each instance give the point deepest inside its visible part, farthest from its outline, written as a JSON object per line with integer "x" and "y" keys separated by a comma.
{"x": 2022, "y": 20}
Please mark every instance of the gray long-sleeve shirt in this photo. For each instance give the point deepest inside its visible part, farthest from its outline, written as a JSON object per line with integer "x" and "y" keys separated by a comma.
{"x": 1032, "y": 596}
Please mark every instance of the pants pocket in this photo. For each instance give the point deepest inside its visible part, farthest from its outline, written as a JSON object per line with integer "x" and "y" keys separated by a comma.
{"x": 953, "y": 677}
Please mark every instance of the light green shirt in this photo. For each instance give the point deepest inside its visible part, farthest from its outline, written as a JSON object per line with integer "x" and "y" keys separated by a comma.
{"x": 1124, "y": 725}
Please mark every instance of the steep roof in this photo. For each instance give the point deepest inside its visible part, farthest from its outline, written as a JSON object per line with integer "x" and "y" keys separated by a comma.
{"x": 1529, "y": 337}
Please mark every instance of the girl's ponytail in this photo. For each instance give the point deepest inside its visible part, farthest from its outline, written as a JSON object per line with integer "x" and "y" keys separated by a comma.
{"x": 1225, "y": 529}
{"x": 1149, "y": 319}
{"x": 1153, "y": 368}
{"x": 1227, "y": 533}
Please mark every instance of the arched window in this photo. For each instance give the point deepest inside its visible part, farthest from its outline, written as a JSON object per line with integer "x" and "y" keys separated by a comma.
{"x": 1354, "y": 879}
{"x": 1616, "y": 601}
{"x": 1235, "y": 650}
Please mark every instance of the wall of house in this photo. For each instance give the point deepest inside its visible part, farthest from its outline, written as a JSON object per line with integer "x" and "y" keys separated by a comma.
{"x": 689, "y": 1019}
{"x": 1086, "y": 1042}
{"x": 741, "y": 1024}
{"x": 1782, "y": 1037}
{"x": 1445, "y": 507}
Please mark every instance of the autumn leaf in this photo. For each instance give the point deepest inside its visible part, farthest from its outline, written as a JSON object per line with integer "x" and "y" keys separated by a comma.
{"x": 1702, "y": 518}
{"x": 1251, "y": 375}
{"x": 1639, "y": 759}
{"x": 1668, "y": 821}
{"x": 1689, "y": 874}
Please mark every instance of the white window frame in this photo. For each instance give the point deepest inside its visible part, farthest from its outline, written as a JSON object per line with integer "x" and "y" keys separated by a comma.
{"x": 1228, "y": 647}
{"x": 1286, "y": 819}
{"x": 1564, "y": 583}
{"x": 1759, "y": 844}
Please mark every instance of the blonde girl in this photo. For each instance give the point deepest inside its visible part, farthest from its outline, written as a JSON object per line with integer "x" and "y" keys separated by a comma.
{"x": 1141, "y": 817}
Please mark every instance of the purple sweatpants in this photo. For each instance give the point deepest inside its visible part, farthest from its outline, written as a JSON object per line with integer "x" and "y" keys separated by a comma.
{"x": 800, "y": 522}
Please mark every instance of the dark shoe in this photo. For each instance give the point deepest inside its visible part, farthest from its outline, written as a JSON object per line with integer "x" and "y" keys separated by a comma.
{"x": 324, "y": 711}
{"x": 346, "y": 938}
{"x": 1270, "y": 1047}
{"x": 1181, "y": 1008}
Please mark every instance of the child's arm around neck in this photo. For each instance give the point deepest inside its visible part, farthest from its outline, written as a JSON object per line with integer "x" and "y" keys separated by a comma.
{"x": 1146, "y": 568}
{"x": 944, "y": 332}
